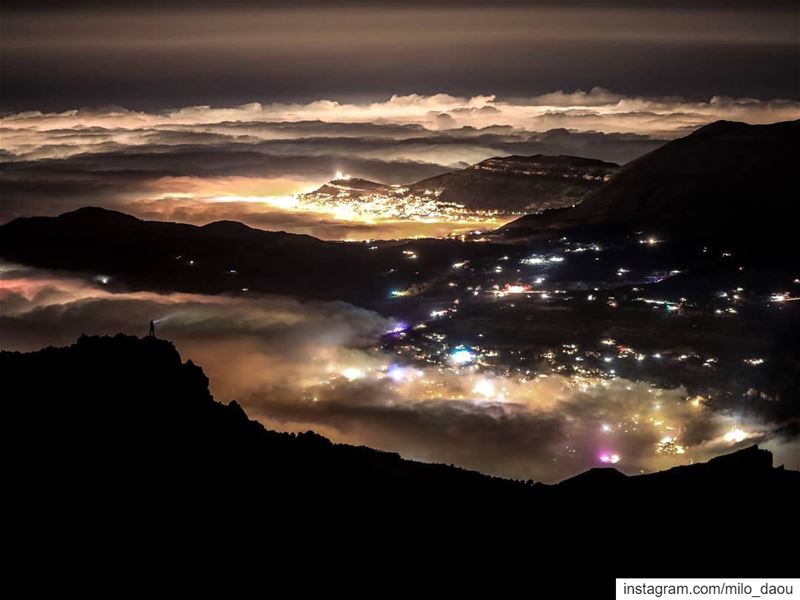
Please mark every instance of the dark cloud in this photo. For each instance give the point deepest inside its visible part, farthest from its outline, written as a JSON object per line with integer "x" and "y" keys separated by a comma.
{"x": 155, "y": 55}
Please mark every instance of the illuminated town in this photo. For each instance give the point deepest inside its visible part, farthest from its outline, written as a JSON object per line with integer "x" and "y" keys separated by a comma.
{"x": 344, "y": 199}
{"x": 453, "y": 343}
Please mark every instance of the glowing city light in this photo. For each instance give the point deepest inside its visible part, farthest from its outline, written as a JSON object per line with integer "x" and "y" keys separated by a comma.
{"x": 516, "y": 289}
{"x": 609, "y": 458}
{"x": 669, "y": 445}
{"x": 351, "y": 374}
{"x": 484, "y": 387}
{"x": 461, "y": 356}
{"x": 534, "y": 260}
{"x": 399, "y": 327}
{"x": 400, "y": 374}
{"x": 735, "y": 435}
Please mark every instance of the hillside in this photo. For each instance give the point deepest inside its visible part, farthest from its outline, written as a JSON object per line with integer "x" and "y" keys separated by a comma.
{"x": 520, "y": 183}
{"x": 726, "y": 180}
{"x": 226, "y": 256}
{"x": 510, "y": 184}
{"x": 352, "y": 187}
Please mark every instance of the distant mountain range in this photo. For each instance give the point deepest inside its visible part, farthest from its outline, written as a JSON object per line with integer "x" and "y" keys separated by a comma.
{"x": 511, "y": 184}
{"x": 729, "y": 183}
{"x": 727, "y": 180}
{"x": 227, "y": 256}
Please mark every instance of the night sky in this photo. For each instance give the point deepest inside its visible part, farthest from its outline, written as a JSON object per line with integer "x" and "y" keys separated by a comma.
{"x": 154, "y": 55}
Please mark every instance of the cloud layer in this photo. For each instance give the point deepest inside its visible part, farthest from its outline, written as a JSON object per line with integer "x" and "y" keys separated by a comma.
{"x": 297, "y": 366}
{"x": 203, "y": 163}
{"x": 597, "y": 110}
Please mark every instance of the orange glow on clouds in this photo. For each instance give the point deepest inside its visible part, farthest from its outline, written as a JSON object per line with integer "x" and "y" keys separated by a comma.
{"x": 271, "y": 203}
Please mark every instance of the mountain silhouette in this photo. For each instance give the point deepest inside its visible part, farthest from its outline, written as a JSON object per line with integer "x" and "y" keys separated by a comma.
{"x": 116, "y": 436}
{"x": 726, "y": 181}
{"x": 227, "y": 256}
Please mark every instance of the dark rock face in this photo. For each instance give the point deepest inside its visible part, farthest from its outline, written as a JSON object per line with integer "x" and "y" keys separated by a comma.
{"x": 515, "y": 184}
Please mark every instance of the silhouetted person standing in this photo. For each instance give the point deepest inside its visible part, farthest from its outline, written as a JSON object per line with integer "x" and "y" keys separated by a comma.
{"x": 152, "y": 329}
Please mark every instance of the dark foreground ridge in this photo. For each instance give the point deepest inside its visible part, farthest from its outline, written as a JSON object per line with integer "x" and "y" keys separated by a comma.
{"x": 116, "y": 433}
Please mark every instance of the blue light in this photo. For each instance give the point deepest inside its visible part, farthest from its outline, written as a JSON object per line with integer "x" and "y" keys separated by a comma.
{"x": 398, "y": 328}
{"x": 396, "y": 373}
{"x": 461, "y": 356}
